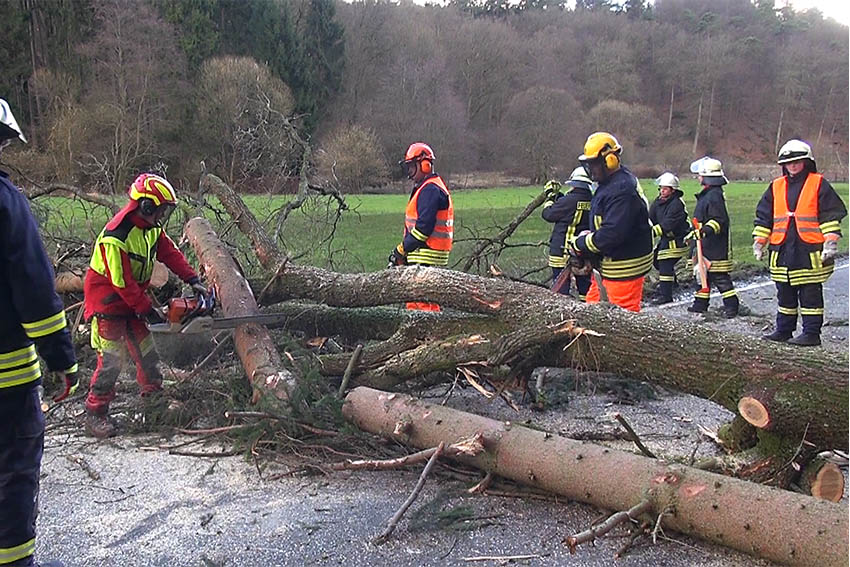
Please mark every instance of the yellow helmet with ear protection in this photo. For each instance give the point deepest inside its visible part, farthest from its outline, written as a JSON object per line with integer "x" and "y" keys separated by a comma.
{"x": 602, "y": 145}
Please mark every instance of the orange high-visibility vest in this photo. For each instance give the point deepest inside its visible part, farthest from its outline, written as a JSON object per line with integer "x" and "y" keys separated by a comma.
{"x": 443, "y": 234}
{"x": 805, "y": 216}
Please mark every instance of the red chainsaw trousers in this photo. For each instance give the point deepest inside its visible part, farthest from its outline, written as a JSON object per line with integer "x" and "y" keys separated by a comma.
{"x": 625, "y": 293}
{"x": 114, "y": 339}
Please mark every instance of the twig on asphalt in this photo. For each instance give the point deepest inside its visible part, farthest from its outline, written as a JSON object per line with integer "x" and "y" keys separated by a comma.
{"x": 634, "y": 436}
{"x": 614, "y": 520}
{"x": 410, "y": 499}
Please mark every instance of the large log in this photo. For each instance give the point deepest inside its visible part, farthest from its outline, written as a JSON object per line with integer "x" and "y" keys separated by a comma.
{"x": 688, "y": 358}
{"x": 778, "y": 525}
{"x": 254, "y": 345}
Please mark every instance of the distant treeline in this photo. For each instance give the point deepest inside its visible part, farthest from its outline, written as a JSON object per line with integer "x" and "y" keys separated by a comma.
{"x": 105, "y": 88}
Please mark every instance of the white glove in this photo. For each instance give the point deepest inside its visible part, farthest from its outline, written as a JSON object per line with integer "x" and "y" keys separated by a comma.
{"x": 758, "y": 249}
{"x": 830, "y": 250}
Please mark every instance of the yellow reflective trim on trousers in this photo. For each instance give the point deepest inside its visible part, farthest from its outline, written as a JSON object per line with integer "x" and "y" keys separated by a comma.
{"x": 702, "y": 295}
{"x": 9, "y": 378}
{"x": 146, "y": 345}
{"x": 720, "y": 266}
{"x": 729, "y": 293}
{"x": 557, "y": 261}
{"x": 788, "y": 310}
{"x": 103, "y": 345}
{"x": 18, "y": 357}
{"x": 45, "y": 326}
{"x": 10, "y": 554}
{"x": 664, "y": 278}
{"x": 811, "y": 310}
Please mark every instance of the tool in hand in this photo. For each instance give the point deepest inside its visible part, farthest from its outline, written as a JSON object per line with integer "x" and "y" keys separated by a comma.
{"x": 702, "y": 262}
{"x": 191, "y": 315}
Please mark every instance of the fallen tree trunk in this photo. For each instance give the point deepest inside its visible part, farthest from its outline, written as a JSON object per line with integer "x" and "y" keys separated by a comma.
{"x": 711, "y": 365}
{"x": 255, "y": 347}
{"x": 778, "y": 525}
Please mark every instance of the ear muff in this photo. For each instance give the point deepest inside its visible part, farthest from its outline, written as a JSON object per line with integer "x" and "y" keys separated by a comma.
{"x": 612, "y": 160}
{"x": 425, "y": 164}
{"x": 147, "y": 206}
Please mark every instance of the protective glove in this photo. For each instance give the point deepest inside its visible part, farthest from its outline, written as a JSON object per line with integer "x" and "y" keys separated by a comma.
{"x": 695, "y": 234}
{"x": 153, "y": 317}
{"x": 199, "y": 289}
{"x": 830, "y": 250}
{"x": 71, "y": 383}
{"x": 552, "y": 188}
{"x": 397, "y": 257}
{"x": 758, "y": 248}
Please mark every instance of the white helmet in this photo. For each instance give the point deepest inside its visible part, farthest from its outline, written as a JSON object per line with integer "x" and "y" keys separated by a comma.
{"x": 667, "y": 179}
{"x": 8, "y": 125}
{"x": 579, "y": 178}
{"x": 793, "y": 150}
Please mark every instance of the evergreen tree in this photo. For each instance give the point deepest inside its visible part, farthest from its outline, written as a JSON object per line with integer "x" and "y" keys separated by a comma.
{"x": 324, "y": 51}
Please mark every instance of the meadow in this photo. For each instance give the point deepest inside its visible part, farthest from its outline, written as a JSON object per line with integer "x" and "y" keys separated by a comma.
{"x": 365, "y": 234}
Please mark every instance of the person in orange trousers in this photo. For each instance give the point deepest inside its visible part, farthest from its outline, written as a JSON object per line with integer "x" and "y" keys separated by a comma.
{"x": 619, "y": 242}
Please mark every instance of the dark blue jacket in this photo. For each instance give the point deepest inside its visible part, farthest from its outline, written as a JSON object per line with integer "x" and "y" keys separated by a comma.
{"x": 621, "y": 236}
{"x": 31, "y": 313}
{"x": 671, "y": 224}
{"x": 713, "y": 217}
{"x": 571, "y": 214}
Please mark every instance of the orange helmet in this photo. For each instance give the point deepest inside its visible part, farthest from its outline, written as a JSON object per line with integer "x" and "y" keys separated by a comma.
{"x": 418, "y": 152}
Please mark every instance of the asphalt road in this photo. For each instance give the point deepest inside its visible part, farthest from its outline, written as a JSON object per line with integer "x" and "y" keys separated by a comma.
{"x": 128, "y": 502}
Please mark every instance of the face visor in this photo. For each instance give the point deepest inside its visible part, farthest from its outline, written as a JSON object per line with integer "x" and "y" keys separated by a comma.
{"x": 408, "y": 167}
{"x": 162, "y": 214}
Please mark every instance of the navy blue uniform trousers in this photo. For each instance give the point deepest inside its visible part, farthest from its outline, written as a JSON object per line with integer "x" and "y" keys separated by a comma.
{"x": 21, "y": 447}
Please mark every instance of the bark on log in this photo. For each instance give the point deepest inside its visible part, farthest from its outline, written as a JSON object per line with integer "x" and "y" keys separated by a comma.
{"x": 785, "y": 527}
{"x": 255, "y": 347}
{"x": 718, "y": 367}
{"x": 69, "y": 282}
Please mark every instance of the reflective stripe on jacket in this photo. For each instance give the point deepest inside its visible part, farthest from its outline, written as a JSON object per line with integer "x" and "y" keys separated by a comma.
{"x": 805, "y": 215}
{"x": 438, "y": 244}
{"x": 31, "y": 313}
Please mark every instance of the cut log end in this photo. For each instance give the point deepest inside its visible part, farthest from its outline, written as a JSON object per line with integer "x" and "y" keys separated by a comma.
{"x": 823, "y": 480}
{"x": 754, "y": 412}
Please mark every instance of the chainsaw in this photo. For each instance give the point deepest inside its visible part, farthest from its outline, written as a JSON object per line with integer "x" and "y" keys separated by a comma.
{"x": 192, "y": 315}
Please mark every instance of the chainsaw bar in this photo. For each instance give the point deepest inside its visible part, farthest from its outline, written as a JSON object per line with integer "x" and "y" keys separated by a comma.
{"x": 206, "y": 324}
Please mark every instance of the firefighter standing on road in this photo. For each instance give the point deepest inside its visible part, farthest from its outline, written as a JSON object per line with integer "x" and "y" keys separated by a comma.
{"x": 713, "y": 231}
{"x": 620, "y": 238}
{"x": 570, "y": 212}
{"x": 32, "y": 323}
{"x": 428, "y": 218}
{"x": 118, "y": 276}
{"x": 799, "y": 216}
{"x": 669, "y": 219}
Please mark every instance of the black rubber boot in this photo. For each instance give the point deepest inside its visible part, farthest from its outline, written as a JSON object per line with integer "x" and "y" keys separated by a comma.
{"x": 805, "y": 339}
{"x": 777, "y": 336}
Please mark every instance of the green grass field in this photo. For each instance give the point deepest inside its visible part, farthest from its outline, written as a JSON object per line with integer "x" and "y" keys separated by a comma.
{"x": 372, "y": 227}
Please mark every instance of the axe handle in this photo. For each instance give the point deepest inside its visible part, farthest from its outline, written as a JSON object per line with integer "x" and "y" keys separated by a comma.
{"x": 701, "y": 264}
{"x": 562, "y": 278}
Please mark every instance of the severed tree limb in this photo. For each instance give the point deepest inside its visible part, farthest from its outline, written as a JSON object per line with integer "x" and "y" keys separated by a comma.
{"x": 785, "y": 527}
{"x": 613, "y": 521}
{"x": 355, "y": 357}
{"x": 410, "y": 499}
{"x": 255, "y": 347}
{"x": 498, "y": 241}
